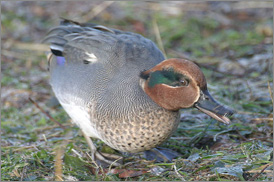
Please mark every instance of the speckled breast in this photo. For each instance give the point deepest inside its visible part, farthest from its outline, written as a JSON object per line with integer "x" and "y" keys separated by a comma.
{"x": 139, "y": 131}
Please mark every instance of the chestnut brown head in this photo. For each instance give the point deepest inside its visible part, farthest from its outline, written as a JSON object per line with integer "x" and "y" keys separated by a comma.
{"x": 178, "y": 83}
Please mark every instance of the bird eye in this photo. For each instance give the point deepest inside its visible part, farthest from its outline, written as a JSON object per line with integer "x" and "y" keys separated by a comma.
{"x": 184, "y": 82}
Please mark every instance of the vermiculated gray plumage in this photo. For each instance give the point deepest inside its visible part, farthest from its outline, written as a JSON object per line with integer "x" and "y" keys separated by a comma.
{"x": 98, "y": 85}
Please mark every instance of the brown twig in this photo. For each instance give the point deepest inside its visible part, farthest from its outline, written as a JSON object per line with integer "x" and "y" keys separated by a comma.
{"x": 258, "y": 174}
{"x": 241, "y": 136}
{"x": 43, "y": 111}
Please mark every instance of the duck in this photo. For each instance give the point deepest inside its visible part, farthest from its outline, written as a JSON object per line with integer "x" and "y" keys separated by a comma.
{"x": 118, "y": 87}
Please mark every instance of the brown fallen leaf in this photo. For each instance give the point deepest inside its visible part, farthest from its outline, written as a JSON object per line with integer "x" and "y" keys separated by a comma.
{"x": 139, "y": 27}
{"x": 125, "y": 173}
{"x": 95, "y": 171}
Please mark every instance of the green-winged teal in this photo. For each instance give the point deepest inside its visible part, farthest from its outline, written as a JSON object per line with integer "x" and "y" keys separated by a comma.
{"x": 117, "y": 87}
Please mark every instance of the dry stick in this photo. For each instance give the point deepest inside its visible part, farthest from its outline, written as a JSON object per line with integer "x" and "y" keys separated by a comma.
{"x": 270, "y": 91}
{"x": 58, "y": 164}
{"x": 31, "y": 46}
{"x": 262, "y": 119}
{"x": 258, "y": 174}
{"x": 178, "y": 174}
{"x": 158, "y": 36}
{"x": 97, "y": 10}
{"x": 43, "y": 111}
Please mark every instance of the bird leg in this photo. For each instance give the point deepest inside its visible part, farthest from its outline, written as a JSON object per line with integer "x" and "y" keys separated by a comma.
{"x": 102, "y": 159}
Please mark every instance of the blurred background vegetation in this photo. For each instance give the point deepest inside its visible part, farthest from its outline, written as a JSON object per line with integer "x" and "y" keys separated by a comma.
{"x": 231, "y": 41}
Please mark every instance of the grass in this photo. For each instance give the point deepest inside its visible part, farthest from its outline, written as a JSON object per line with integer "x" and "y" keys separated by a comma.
{"x": 236, "y": 60}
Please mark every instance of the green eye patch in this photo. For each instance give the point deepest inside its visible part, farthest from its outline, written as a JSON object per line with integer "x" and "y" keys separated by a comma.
{"x": 167, "y": 76}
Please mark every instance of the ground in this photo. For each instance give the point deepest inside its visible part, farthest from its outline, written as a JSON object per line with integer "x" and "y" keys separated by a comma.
{"x": 231, "y": 41}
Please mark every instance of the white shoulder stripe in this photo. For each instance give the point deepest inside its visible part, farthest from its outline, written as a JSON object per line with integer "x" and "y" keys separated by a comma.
{"x": 56, "y": 47}
{"x": 91, "y": 57}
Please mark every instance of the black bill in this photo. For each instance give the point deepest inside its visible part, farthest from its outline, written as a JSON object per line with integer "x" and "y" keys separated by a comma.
{"x": 212, "y": 108}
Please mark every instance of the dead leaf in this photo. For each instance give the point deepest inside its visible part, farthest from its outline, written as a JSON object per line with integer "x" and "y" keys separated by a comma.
{"x": 124, "y": 173}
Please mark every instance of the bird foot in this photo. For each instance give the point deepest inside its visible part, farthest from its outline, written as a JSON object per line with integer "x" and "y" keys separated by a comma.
{"x": 160, "y": 154}
{"x": 105, "y": 160}
{"x": 102, "y": 159}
